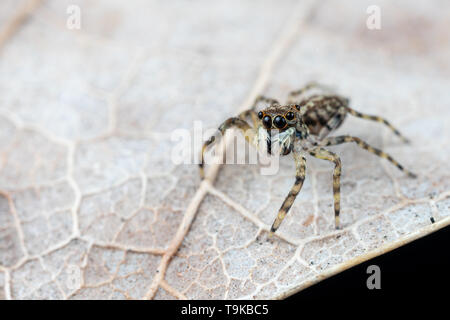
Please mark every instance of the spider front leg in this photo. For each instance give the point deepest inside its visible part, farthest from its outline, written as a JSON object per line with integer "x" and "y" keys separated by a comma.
{"x": 331, "y": 141}
{"x": 247, "y": 130}
{"x": 324, "y": 154}
{"x": 377, "y": 119}
{"x": 239, "y": 122}
{"x": 300, "y": 164}
{"x": 249, "y": 113}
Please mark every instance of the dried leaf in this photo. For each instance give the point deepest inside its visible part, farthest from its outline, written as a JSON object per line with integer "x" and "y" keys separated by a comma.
{"x": 91, "y": 205}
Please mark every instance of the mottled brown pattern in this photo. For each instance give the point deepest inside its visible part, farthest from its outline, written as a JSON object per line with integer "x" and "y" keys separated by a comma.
{"x": 323, "y": 114}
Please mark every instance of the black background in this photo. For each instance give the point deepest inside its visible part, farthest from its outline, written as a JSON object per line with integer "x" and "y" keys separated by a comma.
{"x": 419, "y": 270}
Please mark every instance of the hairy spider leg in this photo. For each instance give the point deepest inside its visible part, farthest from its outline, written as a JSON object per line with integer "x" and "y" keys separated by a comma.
{"x": 240, "y": 123}
{"x": 377, "y": 119}
{"x": 324, "y": 154}
{"x": 331, "y": 141}
{"x": 300, "y": 164}
{"x": 247, "y": 130}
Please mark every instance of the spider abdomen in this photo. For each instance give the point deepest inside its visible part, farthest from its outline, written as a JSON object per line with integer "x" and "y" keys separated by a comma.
{"x": 323, "y": 113}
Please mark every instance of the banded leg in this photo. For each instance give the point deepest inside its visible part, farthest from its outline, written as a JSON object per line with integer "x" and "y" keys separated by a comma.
{"x": 300, "y": 163}
{"x": 377, "y": 119}
{"x": 331, "y": 141}
{"x": 308, "y": 86}
{"x": 249, "y": 113}
{"x": 330, "y": 156}
{"x": 246, "y": 129}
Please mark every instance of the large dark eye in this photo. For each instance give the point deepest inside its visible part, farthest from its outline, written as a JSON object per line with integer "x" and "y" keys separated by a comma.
{"x": 260, "y": 114}
{"x": 267, "y": 122}
{"x": 279, "y": 122}
{"x": 290, "y": 115}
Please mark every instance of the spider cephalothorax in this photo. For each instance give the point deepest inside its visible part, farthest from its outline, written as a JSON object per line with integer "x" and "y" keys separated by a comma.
{"x": 279, "y": 117}
{"x": 282, "y": 120}
{"x": 302, "y": 127}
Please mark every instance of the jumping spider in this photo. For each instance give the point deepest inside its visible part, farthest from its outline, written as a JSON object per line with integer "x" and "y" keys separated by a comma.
{"x": 303, "y": 125}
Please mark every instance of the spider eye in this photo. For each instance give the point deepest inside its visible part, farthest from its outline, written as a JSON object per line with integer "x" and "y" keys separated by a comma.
{"x": 290, "y": 115}
{"x": 260, "y": 114}
{"x": 267, "y": 122}
{"x": 279, "y": 122}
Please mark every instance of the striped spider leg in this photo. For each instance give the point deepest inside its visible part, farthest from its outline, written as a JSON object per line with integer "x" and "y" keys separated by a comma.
{"x": 300, "y": 172}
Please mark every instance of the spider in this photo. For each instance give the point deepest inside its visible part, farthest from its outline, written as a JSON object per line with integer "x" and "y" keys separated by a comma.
{"x": 303, "y": 126}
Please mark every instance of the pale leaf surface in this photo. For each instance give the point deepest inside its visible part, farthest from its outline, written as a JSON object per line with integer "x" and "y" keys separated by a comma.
{"x": 91, "y": 205}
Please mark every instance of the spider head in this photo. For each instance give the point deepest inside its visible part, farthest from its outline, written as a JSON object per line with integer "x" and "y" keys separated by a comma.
{"x": 282, "y": 120}
{"x": 279, "y": 117}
